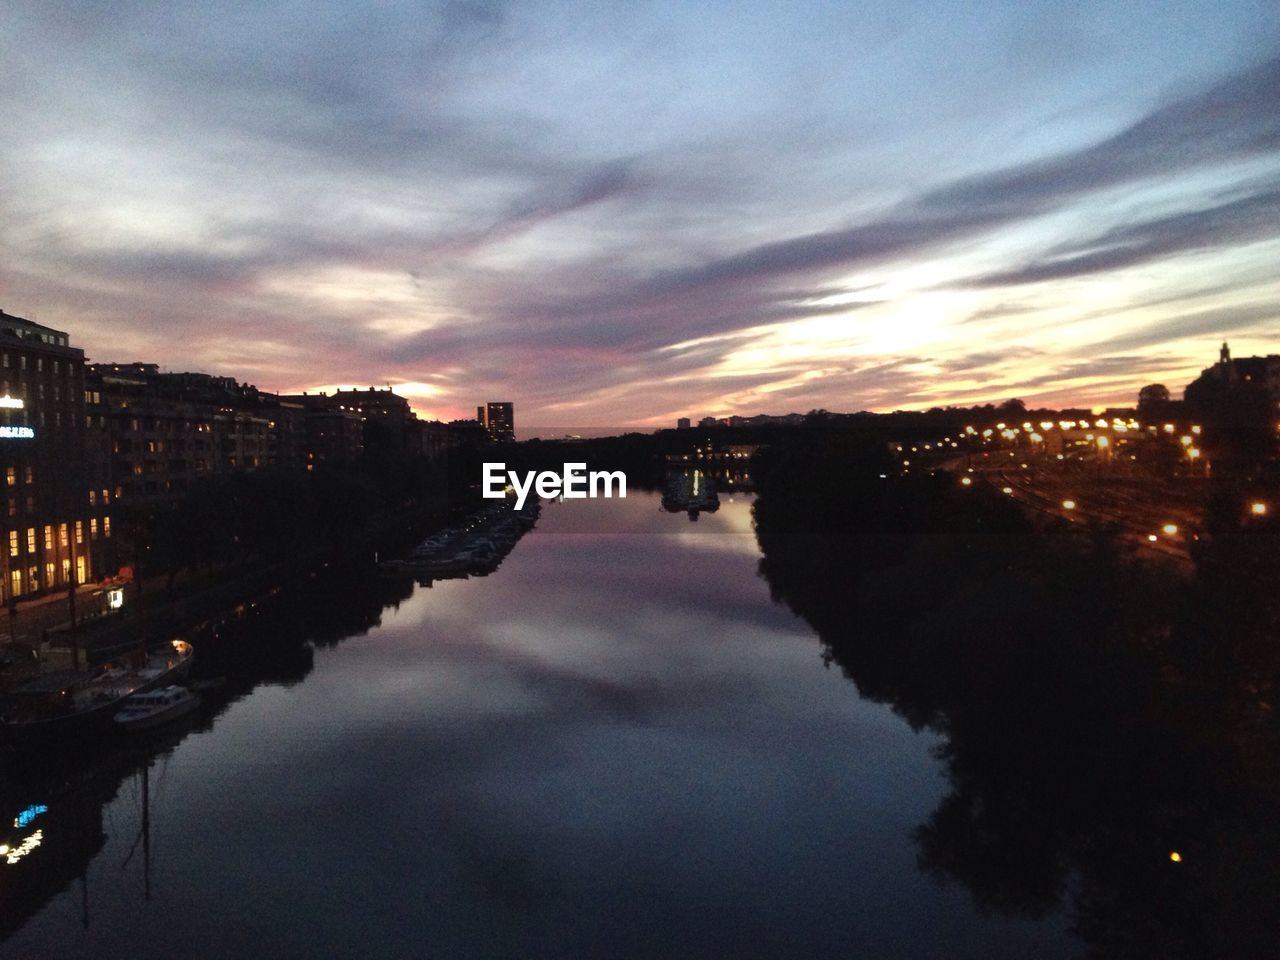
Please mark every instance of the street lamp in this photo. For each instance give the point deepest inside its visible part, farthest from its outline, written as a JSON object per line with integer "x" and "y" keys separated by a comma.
{"x": 1258, "y": 508}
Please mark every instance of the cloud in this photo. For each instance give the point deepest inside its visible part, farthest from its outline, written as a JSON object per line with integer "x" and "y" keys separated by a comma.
{"x": 1241, "y": 221}
{"x": 571, "y": 206}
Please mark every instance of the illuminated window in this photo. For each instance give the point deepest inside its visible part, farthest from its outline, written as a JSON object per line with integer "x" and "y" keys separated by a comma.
{"x": 48, "y": 573}
{"x": 11, "y": 476}
{"x": 106, "y": 526}
{"x": 62, "y": 534}
{"x": 48, "y": 536}
{"x": 81, "y": 572}
{"x": 31, "y": 541}
{"x": 28, "y": 475}
{"x": 13, "y": 543}
{"x": 79, "y": 532}
{"x": 93, "y": 528}
{"x": 66, "y": 567}
{"x": 93, "y": 497}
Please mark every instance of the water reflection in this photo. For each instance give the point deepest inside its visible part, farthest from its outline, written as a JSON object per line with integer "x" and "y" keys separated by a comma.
{"x": 615, "y": 746}
{"x": 1095, "y": 761}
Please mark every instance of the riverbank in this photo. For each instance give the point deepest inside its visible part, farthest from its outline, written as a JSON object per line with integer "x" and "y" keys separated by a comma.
{"x": 160, "y": 607}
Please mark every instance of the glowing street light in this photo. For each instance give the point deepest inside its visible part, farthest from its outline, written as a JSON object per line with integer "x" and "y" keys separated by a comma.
{"x": 1258, "y": 508}
{"x": 966, "y": 481}
{"x": 1068, "y": 504}
{"x": 1170, "y": 529}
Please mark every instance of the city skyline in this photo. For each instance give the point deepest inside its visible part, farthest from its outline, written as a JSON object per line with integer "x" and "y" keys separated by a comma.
{"x": 633, "y": 214}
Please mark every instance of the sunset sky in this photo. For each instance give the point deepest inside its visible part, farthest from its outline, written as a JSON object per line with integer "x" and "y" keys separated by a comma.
{"x": 624, "y": 213}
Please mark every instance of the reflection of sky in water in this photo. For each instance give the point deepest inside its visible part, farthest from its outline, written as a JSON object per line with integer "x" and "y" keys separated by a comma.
{"x": 614, "y": 746}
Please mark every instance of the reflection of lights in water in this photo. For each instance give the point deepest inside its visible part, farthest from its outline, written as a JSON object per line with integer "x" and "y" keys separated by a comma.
{"x": 29, "y": 814}
{"x": 27, "y": 845}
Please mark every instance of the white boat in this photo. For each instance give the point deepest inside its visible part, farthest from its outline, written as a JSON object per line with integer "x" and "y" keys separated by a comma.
{"x": 58, "y": 705}
{"x": 145, "y": 710}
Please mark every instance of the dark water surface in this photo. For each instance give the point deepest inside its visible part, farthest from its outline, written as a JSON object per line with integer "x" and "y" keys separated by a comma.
{"x": 614, "y": 746}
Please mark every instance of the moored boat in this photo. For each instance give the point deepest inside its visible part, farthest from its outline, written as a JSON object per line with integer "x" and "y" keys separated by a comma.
{"x": 66, "y": 703}
{"x": 142, "y": 711}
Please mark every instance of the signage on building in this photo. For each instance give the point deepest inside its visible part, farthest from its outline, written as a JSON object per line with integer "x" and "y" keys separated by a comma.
{"x": 10, "y": 403}
{"x": 17, "y": 433}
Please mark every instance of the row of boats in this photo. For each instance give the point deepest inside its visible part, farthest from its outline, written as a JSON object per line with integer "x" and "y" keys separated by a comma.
{"x": 473, "y": 547}
{"x": 112, "y": 697}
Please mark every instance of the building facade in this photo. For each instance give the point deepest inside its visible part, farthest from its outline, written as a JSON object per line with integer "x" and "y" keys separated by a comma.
{"x": 57, "y": 505}
{"x": 499, "y": 419}
{"x": 163, "y": 431}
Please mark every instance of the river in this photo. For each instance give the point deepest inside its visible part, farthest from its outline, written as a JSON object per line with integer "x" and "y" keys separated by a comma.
{"x": 616, "y": 745}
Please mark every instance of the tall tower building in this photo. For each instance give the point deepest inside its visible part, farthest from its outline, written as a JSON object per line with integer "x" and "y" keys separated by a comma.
{"x": 499, "y": 419}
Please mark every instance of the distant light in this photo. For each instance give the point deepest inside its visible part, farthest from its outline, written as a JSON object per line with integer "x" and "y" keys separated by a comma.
{"x": 1185, "y": 440}
{"x": 1193, "y": 452}
{"x": 1152, "y": 537}
{"x": 1008, "y": 490}
{"x": 1196, "y": 429}
{"x": 1170, "y": 528}
{"x": 966, "y": 480}
{"x": 1103, "y": 443}
{"x": 14, "y": 855}
{"x": 1175, "y": 856}
{"x": 1068, "y": 504}
{"x": 10, "y": 403}
{"x": 1168, "y": 428}
{"x": 29, "y": 814}
{"x": 1258, "y": 508}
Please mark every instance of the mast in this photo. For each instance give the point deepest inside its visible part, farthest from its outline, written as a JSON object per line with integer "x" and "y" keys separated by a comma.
{"x": 146, "y": 829}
